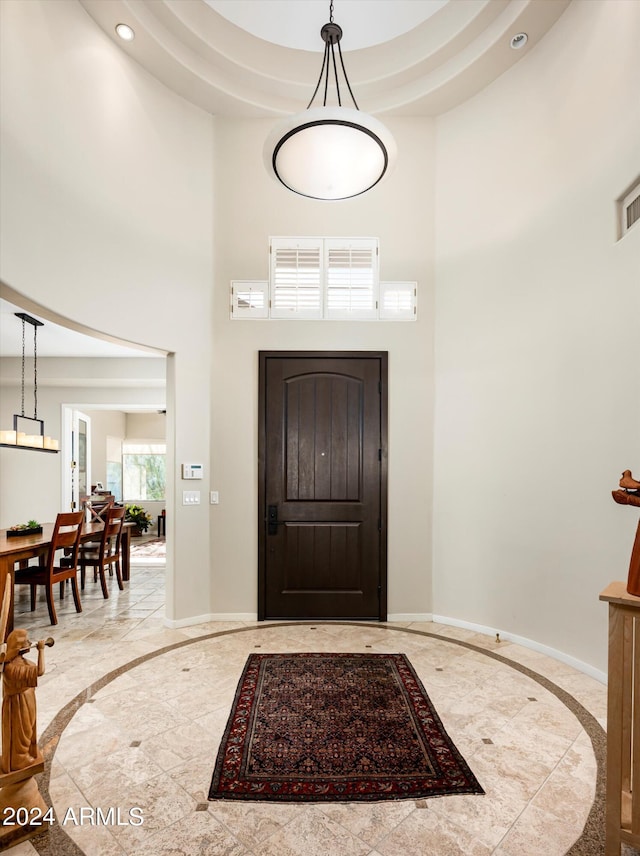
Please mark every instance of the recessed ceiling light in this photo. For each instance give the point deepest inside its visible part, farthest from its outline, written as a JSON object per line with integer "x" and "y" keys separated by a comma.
{"x": 519, "y": 41}
{"x": 125, "y": 32}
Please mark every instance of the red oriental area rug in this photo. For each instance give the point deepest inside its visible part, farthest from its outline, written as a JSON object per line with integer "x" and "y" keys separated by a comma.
{"x": 335, "y": 727}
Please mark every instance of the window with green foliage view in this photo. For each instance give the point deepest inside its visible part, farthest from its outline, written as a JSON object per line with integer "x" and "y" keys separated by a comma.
{"x": 143, "y": 471}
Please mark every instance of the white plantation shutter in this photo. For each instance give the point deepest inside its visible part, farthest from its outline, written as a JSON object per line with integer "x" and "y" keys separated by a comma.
{"x": 296, "y": 278}
{"x": 351, "y": 271}
{"x": 324, "y": 278}
{"x": 398, "y": 301}
{"x": 249, "y": 299}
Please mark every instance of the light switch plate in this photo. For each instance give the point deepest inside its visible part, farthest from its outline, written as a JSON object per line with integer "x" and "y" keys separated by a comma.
{"x": 191, "y": 497}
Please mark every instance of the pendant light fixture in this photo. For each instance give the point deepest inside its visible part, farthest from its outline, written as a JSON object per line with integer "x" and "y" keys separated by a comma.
{"x": 19, "y": 439}
{"x": 327, "y": 152}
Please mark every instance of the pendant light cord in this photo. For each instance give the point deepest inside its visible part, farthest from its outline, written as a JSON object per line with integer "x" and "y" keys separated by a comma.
{"x": 23, "y": 334}
{"x": 35, "y": 372}
{"x": 331, "y": 34}
{"x": 35, "y": 363}
{"x": 335, "y": 76}
{"x": 324, "y": 65}
{"x": 346, "y": 79}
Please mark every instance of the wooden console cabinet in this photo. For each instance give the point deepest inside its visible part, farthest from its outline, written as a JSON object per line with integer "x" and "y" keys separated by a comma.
{"x": 623, "y": 719}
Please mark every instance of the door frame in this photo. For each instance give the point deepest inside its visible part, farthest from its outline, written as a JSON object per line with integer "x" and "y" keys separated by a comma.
{"x": 263, "y": 357}
{"x": 69, "y": 482}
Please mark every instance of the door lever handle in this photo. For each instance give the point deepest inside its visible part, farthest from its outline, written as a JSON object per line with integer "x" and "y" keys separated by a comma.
{"x": 272, "y": 520}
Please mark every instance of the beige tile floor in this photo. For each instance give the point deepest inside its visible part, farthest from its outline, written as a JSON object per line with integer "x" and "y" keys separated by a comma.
{"x": 145, "y": 736}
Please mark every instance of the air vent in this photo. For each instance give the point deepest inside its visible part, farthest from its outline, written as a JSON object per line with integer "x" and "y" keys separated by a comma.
{"x": 629, "y": 209}
{"x": 633, "y": 211}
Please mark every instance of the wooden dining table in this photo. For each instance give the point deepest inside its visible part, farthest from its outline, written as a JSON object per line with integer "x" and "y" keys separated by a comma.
{"x": 22, "y": 547}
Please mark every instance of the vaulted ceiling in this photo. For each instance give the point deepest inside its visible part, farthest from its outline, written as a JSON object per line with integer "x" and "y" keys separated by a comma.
{"x": 403, "y": 57}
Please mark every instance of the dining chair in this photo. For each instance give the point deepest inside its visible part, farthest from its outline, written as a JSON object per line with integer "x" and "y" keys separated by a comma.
{"x": 67, "y": 531}
{"x": 105, "y": 555}
{"x": 98, "y": 511}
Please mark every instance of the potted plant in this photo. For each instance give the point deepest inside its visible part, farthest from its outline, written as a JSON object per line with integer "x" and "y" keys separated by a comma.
{"x": 31, "y": 527}
{"x": 139, "y": 517}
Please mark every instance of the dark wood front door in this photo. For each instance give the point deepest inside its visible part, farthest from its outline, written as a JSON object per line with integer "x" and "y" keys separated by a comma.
{"x": 322, "y": 485}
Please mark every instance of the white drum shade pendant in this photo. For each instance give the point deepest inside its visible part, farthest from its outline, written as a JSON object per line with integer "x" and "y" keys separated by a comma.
{"x": 330, "y": 152}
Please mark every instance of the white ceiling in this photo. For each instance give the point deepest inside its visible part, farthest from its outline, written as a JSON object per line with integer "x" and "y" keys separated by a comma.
{"x": 54, "y": 340}
{"x": 255, "y": 58}
{"x": 297, "y": 23}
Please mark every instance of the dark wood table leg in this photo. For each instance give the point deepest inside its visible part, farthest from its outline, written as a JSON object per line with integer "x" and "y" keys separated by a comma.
{"x": 125, "y": 546}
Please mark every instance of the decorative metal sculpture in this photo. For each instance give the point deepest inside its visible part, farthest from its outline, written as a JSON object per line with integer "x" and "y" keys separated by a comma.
{"x": 629, "y": 494}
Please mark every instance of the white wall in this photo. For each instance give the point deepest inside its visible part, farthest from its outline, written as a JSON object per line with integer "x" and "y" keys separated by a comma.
{"x": 106, "y": 218}
{"x": 537, "y": 313}
{"x": 107, "y": 430}
{"x": 249, "y": 208}
{"x": 111, "y": 176}
{"x": 146, "y": 426}
{"x": 108, "y": 213}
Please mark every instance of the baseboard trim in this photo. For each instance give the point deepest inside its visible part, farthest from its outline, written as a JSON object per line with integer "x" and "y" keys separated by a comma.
{"x": 411, "y": 618}
{"x": 175, "y": 624}
{"x": 579, "y": 665}
{"x": 399, "y": 617}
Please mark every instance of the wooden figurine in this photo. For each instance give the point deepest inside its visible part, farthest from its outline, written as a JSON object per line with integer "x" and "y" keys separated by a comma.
{"x": 21, "y": 759}
{"x": 629, "y": 494}
{"x": 19, "y": 680}
{"x": 628, "y": 481}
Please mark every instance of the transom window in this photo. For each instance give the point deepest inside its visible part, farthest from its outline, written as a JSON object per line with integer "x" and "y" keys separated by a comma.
{"x": 323, "y": 279}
